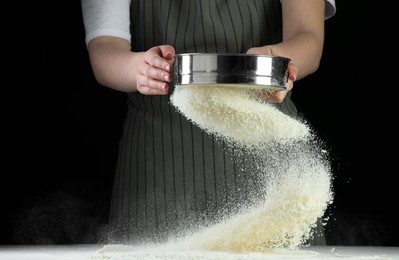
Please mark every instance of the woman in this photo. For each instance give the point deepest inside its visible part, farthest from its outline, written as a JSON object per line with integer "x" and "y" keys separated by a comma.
{"x": 170, "y": 175}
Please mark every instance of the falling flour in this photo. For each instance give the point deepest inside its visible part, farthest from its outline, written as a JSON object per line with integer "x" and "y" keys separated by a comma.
{"x": 294, "y": 170}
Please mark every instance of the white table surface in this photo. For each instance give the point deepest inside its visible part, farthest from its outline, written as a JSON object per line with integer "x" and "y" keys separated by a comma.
{"x": 92, "y": 252}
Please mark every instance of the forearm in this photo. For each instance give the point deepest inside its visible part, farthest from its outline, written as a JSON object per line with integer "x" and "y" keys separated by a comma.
{"x": 305, "y": 51}
{"x": 303, "y": 34}
{"x": 113, "y": 64}
{"x": 303, "y": 39}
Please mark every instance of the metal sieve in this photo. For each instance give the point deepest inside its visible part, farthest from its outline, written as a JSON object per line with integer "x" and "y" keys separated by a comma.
{"x": 242, "y": 70}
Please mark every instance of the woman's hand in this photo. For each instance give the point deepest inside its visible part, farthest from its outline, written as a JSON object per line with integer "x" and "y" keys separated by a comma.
{"x": 302, "y": 41}
{"x": 154, "y": 70}
{"x": 117, "y": 67}
{"x": 275, "y": 96}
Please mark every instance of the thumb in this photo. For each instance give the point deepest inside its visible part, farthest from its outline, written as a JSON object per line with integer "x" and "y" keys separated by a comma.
{"x": 292, "y": 71}
{"x": 265, "y": 50}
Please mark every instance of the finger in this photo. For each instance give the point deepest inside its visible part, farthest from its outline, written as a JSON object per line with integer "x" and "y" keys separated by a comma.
{"x": 160, "y": 56}
{"x": 290, "y": 85}
{"x": 149, "y": 86}
{"x": 167, "y": 52}
{"x": 157, "y": 61}
{"x": 271, "y": 96}
{"x": 292, "y": 71}
{"x": 265, "y": 50}
{"x": 154, "y": 73}
{"x": 279, "y": 96}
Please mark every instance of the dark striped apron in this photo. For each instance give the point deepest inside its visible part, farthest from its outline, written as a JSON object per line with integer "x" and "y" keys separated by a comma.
{"x": 170, "y": 175}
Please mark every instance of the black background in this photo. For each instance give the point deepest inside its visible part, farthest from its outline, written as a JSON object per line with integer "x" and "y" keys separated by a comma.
{"x": 61, "y": 130}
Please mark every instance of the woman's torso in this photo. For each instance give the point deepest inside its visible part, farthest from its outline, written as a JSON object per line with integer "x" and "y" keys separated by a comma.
{"x": 170, "y": 174}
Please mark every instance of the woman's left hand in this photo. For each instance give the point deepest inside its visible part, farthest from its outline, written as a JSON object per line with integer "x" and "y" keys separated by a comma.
{"x": 275, "y": 96}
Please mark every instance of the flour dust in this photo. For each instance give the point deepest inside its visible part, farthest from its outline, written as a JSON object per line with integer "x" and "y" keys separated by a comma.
{"x": 294, "y": 167}
{"x": 294, "y": 170}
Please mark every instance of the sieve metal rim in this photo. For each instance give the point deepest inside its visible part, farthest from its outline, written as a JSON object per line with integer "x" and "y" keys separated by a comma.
{"x": 244, "y": 70}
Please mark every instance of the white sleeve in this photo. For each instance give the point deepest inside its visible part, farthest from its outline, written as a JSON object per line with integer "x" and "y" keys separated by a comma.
{"x": 106, "y": 17}
{"x": 330, "y": 9}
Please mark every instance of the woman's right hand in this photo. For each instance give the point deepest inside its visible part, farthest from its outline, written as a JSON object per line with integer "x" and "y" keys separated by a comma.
{"x": 117, "y": 67}
{"x": 154, "y": 70}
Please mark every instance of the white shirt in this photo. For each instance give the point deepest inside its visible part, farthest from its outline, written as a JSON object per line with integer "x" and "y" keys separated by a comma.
{"x": 111, "y": 17}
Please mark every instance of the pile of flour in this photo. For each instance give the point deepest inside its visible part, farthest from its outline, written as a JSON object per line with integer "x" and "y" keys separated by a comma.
{"x": 294, "y": 168}
{"x": 294, "y": 201}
